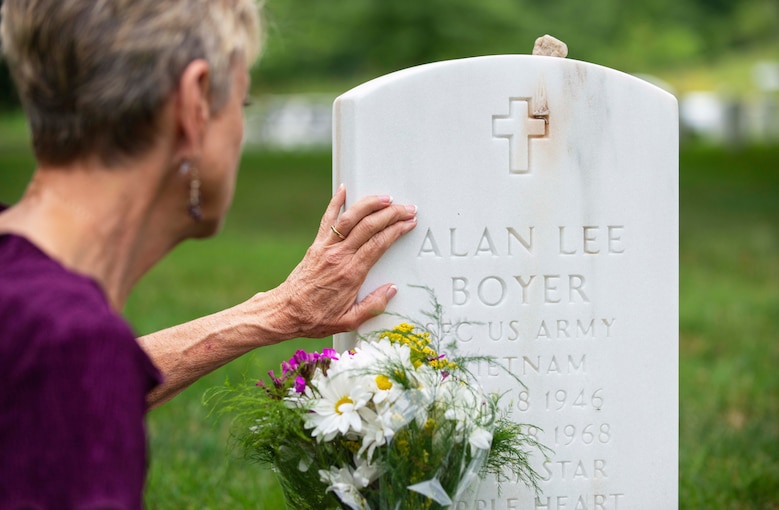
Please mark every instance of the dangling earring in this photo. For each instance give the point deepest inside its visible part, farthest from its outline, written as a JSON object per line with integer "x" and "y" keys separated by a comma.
{"x": 194, "y": 189}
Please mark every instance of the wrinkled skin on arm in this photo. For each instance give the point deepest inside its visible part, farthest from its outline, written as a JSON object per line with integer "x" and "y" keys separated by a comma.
{"x": 317, "y": 299}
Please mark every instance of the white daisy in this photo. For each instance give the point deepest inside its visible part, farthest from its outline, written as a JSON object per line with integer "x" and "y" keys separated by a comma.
{"x": 338, "y": 406}
{"x": 373, "y": 434}
{"x": 480, "y": 439}
{"x": 380, "y": 359}
{"x": 347, "y": 482}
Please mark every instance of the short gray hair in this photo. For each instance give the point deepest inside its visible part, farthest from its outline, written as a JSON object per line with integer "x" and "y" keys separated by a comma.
{"x": 93, "y": 74}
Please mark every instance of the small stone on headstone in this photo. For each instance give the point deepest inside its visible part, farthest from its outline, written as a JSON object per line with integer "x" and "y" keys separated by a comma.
{"x": 548, "y": 46}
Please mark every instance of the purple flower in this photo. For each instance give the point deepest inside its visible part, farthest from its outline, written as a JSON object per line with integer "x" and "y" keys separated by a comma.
{"x": 301, "y": 356}
{"x": 329, "y": 352}
{"x": 293, "y": 363}
{"x": 276, "y": 381}
{"x": 300, "y": 384}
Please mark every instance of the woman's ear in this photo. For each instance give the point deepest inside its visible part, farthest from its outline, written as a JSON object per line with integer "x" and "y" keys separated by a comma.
{"x": 192, "y": 112}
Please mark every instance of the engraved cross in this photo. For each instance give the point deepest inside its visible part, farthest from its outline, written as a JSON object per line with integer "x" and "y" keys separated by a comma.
{"x": 518, "y": 127}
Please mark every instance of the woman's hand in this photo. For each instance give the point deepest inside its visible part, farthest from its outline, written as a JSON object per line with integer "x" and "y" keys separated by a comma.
{"x": 320, "y": 293}
{"x": 316, "y": 300}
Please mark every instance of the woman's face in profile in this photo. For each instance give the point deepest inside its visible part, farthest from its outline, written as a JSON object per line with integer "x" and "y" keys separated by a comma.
{"x": 222, "y": 150}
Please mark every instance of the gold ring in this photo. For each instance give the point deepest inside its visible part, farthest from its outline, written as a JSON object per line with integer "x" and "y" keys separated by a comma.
{"x": 336, "y": 232}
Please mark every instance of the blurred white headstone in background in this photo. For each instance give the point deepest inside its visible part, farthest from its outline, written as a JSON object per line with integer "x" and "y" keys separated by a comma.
{"x": 766, "y": 76}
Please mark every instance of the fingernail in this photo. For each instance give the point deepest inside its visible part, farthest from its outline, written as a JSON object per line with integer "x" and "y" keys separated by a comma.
{"x": 412, "y": 209}
{"x": 392, "y": 291}
{"x": 340, "y": 187}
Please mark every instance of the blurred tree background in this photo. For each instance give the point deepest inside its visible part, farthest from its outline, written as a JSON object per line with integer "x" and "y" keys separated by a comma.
{"x": 330, "y": 46}
{"x": 311, "y": 43}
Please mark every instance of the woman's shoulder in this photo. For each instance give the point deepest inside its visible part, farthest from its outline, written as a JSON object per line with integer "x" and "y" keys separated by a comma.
{"x": 46, "y": 308}
{"x": 32, "y": 284}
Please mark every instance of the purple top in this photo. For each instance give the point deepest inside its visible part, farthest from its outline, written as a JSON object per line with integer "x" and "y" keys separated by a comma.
{"x": 73, "y": 382}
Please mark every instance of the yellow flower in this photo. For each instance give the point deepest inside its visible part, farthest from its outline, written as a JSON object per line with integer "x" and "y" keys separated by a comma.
{"x": 405, "y": 327}
{"x": 403, "y": 446}
{"x": 383, "y": 382}
{"x": 352, "y": 446}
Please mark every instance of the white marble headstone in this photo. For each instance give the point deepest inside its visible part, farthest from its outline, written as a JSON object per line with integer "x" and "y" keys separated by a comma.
{"x": 548, "y": 211}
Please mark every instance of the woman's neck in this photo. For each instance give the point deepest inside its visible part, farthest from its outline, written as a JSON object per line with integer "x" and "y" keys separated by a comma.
{"x": 109, "y": 224}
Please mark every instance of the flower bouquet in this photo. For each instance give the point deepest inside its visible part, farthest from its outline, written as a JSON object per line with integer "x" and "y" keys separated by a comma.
{"x": 392, "y": 424}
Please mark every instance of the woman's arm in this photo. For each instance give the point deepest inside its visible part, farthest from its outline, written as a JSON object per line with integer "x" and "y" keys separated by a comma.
{"x": 316, "y": 300}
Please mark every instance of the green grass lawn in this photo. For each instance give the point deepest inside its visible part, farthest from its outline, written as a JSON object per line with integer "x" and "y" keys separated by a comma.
{"x": 729, "y": 321}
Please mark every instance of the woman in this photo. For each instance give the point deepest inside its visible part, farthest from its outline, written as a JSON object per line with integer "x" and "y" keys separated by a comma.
{"x": 135, "y": 111}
